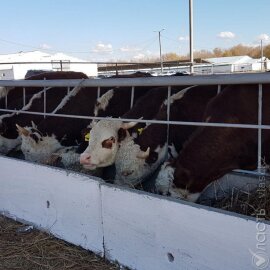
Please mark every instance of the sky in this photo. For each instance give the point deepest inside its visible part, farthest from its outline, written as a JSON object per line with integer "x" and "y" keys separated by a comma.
{"x": 111, "y": 30}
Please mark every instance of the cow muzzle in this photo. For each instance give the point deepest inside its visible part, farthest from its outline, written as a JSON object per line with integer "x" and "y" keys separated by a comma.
{"x": 85, "y": 160}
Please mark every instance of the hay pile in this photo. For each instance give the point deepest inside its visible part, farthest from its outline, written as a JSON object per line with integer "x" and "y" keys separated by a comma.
{"x": 37, "y": 250}
{"x": 255, "y": 203}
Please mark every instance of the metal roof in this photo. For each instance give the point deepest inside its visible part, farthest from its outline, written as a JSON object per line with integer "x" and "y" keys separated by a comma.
{"x": 230, "y": 60}
{"x": 36, "y": 56}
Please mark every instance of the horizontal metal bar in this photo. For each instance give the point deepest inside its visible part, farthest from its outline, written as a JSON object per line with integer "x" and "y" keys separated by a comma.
{"x": 183, "y": 123}
{"x": 216, "y": 79}
{"x": 255, "y": 173}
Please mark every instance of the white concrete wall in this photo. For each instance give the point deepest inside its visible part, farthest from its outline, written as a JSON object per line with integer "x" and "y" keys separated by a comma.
{"x": 6, "y": 74}
{"x": 139, "y": 230}
{"x": 67, "y": 205}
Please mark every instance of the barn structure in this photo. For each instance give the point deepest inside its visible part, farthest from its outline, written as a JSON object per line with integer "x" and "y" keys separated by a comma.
{"x": 216, "y": 65}
{"x": 16, "y": 65}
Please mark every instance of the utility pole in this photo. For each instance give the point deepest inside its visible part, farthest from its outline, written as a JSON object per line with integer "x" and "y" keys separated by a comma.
{"x": 262, "y": 55}
{"x": 191, "y": 35}
{"x": 160, "y": 54}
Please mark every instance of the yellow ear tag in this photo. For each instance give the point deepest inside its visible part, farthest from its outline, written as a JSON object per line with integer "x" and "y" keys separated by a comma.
{"x": 140, "y": 130}
{"x": 87, "y": 137}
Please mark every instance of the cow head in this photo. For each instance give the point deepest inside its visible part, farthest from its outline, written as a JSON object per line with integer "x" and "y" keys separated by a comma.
{"x": 133, "y": 165}
{"x": 104, "y": 140}
{"x": 35, "y": 146}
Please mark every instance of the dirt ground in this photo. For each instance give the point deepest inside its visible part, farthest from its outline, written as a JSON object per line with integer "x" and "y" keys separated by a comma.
{"x": 35, "y": 250}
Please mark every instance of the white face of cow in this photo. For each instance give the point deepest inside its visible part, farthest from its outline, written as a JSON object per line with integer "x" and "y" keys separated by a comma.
{"x": 103, "y": 144}
{"x": 131, "y": 165}
{"x": 35, "y": 147}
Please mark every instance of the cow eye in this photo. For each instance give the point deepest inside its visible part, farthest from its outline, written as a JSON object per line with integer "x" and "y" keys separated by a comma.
{"x": 108, "y": 143}
{"x": 34, "y": 137}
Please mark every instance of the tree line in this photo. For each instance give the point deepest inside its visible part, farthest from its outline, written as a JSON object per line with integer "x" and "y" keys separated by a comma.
{"x": 254, "y": 52}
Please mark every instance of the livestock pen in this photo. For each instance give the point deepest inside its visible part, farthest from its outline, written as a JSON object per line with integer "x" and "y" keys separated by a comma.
{"x": 138, "y": 229}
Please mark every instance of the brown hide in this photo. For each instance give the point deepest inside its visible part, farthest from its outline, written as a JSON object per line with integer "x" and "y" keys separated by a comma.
{"x": 15, "y": 95}
{"x": 212, "y": 152}
{"x": 53, "y": 98}
{"x": 189, "y": 108}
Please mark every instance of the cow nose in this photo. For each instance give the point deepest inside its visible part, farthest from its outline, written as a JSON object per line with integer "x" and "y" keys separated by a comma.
{"x": 85, "y": 159}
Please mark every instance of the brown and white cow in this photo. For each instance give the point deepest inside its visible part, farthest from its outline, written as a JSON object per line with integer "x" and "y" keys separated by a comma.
{"x": 97, "y": 154}
{"x": 212, "y": 152}
{"x": 139, "y": 158}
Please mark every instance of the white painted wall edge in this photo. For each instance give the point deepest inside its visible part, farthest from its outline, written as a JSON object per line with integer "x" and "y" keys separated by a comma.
{"x": 139, "y": 230}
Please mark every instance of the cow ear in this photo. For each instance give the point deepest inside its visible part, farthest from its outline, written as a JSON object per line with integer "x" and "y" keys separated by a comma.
{"x": 22, "y": 131}
{"x": 129, "y": 125}
{"x": 144, "y": 154}
{"x": 122, "y": 134}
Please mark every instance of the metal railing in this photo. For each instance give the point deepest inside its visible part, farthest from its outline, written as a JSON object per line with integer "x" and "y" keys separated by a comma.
{"x": 257, "y": 79}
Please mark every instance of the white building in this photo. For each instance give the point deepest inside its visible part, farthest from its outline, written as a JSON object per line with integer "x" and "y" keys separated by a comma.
{"x": 237, "y": 64}
{"x": 12, "y": 66}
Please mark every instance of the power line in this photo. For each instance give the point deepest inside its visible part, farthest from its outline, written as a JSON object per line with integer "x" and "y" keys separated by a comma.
{"x": 92, "y": 51}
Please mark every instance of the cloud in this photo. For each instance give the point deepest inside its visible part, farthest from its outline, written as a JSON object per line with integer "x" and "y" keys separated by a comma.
{"x": 101, "y": 47}
{"x": 45, "y": 46}
{"x": 139, "y": 56}
{"x": 186, "y": 38}
{"x": 263, "y": 37}
{"x": 129, "y": 49}
{"x": 226, "y": 35}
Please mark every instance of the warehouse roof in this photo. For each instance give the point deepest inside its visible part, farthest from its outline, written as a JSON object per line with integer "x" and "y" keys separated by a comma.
{"x": 229, "y": 60}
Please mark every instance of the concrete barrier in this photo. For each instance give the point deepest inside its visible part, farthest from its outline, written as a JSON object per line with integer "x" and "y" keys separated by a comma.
{"x": 140, "y": 230}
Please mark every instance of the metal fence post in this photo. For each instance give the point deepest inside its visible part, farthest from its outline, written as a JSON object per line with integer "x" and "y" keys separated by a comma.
{"x": 6, "y": 100}
{"x": 132, "y": 97}
{"x": 219, "y": 89}
{"x": 259, "y": 129}
{"x": 24, "y": 101}
{"x": 168, "y": 118}
{"x": 44, "y": 101}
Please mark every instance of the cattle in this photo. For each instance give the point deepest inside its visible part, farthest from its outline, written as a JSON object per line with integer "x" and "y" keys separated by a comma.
{"x": 8, "y": 135}
{"x": 105, "y": 136}
{"x": 212, "y": 152}
{"x": 14, "y": 95}
{"x": 62, "y": 132}
{"x": 139, "y": 158}
{"x": 137, "y": 74}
